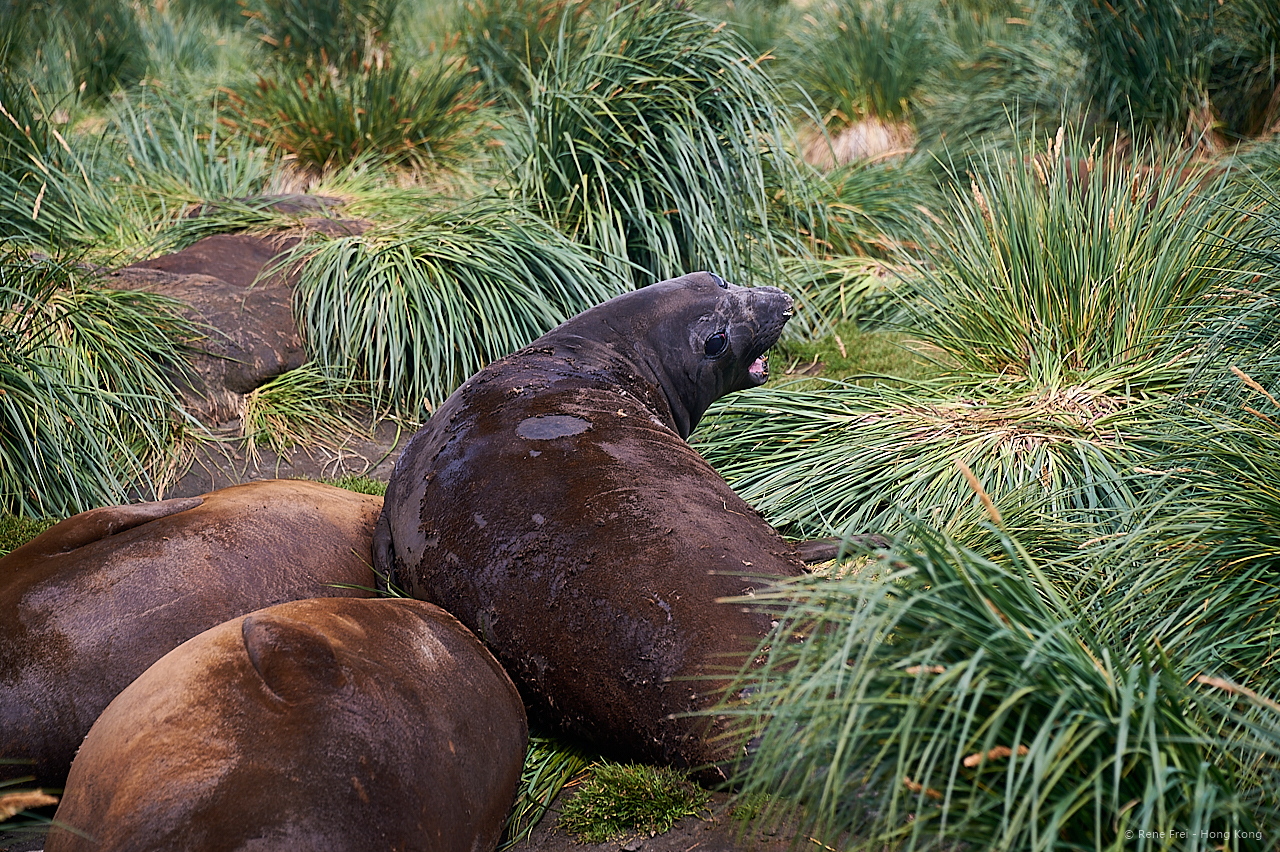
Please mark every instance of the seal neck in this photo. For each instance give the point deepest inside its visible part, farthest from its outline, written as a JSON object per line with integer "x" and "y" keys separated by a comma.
{"x": 630, "y": 371}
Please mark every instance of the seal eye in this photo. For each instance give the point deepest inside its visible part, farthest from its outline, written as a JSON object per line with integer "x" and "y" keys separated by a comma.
{"x": 716, "y": 344}
{"x": 720, "y": 282}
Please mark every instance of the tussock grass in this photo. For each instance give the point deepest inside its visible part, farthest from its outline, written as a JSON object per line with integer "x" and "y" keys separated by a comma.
{"x": 660, "y": 142}
{"x": 1006, "y": 71}
{"x": 415, "y": 309}
{"x": 86, "y": 402}
{"x": 1152, "y": 67}
{"x": 877, "y": 208}
{"x": 1243, "y": 337}
{"x": 1055, "y": 269}
{"x": 946, "y": 696}
{"x": 509, "y": 41}
{"x": 762, "y": 24}
{"x": 549, "y": 766}
{"x": 848, "y": 458}
{"x": 100, "y": 40}
{"x": 317, "y": 33}
{"x": 308, "y": 406}
{"x": 179, "y": 159}
{"x": 419, "y": 116}
{"x": 850, "y": 288}
{"x": 17, "y": 802}
{"x": 47, "y": 194}
{"x": 865, "y": 60}
{"x": 1058, "y": 306}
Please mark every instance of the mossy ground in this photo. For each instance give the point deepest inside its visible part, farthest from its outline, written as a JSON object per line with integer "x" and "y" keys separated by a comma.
{"x": 617, "y": 799}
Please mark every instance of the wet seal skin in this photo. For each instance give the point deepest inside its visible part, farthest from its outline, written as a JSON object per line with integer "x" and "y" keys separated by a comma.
{"x": 325, "y": 724}
{"x": 553, "y": 505}
{"x": 87, "y": 605}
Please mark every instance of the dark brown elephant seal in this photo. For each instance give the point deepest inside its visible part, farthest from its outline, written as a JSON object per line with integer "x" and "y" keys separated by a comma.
{"x": 325, "y": 724}
{"x": 553, "y": 505}
{"x": 86, "y": 606}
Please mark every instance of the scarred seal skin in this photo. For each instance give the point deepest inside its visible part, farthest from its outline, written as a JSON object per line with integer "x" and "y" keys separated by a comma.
{"x": 86, "y": 606}
{"x": 553, "y": 505}
{"x": 325, "y": 724}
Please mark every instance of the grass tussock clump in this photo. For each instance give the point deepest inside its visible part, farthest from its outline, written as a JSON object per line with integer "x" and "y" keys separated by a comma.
{"x": 947, "y": 696}
{"x": 1182, "y": 68}
{"x": 1056, "y": 268}
{"x": 307, "y": 405}
{"x": 87, "y": 402}
{"x": 385, "y": 109}
{"x": 48, "y": 197}
{"x": 509, "y": 41}
{"x": 846, "y": 458}
{"x": 549, "y": 766}
{"x": 619, "y": 798}
{"x": 660, "y": 142}
{"x": 320, "y": 32}
{"x": 179, "y": 159}
{"x": 863, "y": 61}
{"x": 416, "y": 309}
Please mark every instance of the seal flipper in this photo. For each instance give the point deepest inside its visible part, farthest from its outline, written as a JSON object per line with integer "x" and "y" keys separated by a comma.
{"x": 97, "y": 524}
{"x": 384, "y": 555}
{"x": 815, "y": 550}
{"x": 294, "y": 660}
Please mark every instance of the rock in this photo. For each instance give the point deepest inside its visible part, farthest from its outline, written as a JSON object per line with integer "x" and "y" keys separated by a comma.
{"x": 251, "y": 336}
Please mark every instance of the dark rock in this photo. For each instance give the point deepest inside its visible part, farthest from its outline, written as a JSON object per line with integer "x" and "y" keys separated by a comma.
{"x": 288, "y": 204}
{"x": 237, "y": 259}
{"x": 236, "y": 287}
{"x": 250, "y": 335}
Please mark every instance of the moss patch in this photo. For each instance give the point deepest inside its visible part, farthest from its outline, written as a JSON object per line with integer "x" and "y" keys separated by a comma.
{"x": 15, "y": 531}
{"x": 849, "y": 353}
{"x": 620, "y": 798}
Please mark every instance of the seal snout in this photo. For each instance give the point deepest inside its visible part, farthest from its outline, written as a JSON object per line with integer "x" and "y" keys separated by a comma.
{"x": 771, "y": 311}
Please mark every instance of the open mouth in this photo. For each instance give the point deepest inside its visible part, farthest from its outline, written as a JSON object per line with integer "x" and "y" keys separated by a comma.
{"x": 759, "y": 370}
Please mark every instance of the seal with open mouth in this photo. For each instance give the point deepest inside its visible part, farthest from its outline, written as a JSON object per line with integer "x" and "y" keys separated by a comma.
{"x": 553, "y": 505}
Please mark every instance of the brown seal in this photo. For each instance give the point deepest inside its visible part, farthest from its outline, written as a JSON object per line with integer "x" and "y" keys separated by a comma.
{"x": 86, "y": 606}
{"x": 325, "y": 724}
{"x": 553, "y": 505}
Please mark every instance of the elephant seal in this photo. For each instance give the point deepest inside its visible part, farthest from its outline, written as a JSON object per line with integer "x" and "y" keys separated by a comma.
{"x": 553, "y": 505}
{"x": 324, "y": 724}
{"x": 87, "y": 605}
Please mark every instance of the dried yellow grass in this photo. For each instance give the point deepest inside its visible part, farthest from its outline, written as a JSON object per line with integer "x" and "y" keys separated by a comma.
{"x": 865, "y": 139}
{"x": 997, "y": 753}
{"x": 12, "y": 804}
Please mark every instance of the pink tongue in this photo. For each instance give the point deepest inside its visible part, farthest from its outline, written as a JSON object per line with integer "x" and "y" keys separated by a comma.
{"x": 757, "y": 367}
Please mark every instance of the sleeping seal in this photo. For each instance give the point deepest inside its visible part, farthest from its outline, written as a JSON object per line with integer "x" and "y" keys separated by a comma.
{"x": 325, "y": 724}
{"x": 553, "y": 505}
{"x": 87, "y": 605}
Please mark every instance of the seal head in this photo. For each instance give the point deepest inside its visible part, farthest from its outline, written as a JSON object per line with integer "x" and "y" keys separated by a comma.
{"x": 696, "y": 338}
